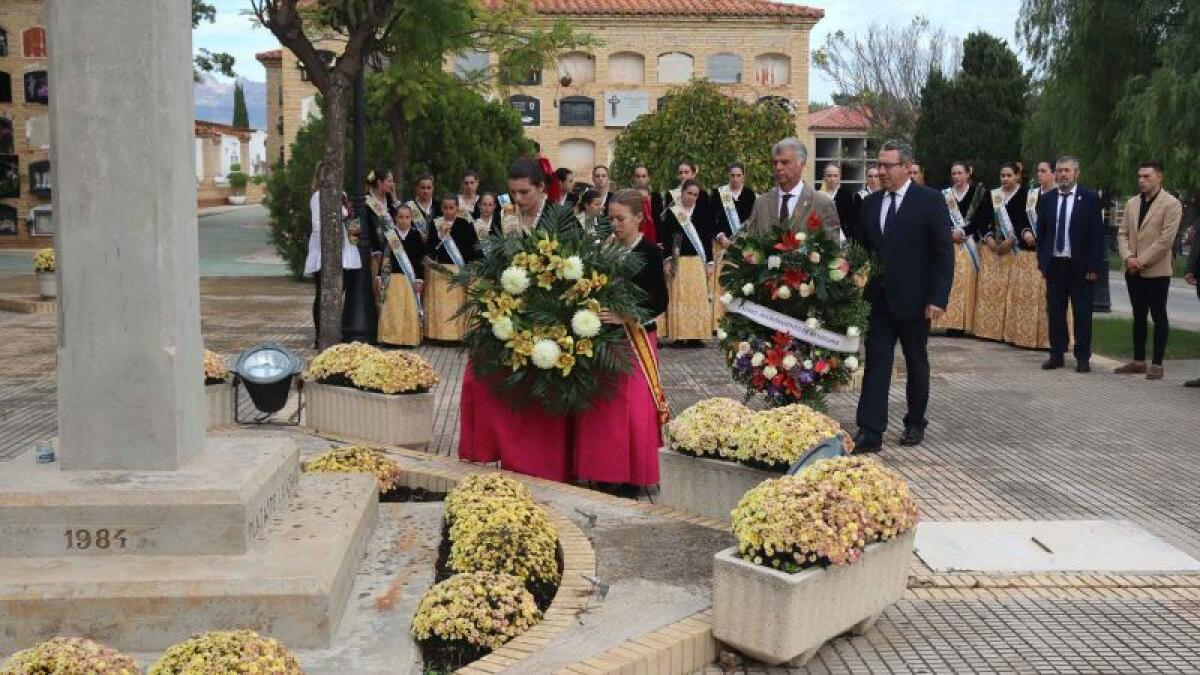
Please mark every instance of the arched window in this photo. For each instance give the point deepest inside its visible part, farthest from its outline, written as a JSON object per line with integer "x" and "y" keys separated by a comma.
{"x": 8, "y": 220}
{"x": 675, "y": 68}
{"x": 577, "y": 111}
{"x": 724, "y": 68}
{"x": 7, "y": 142}
{"x": 577, "y": 154}
{"x": 772, "y": 69}
{"x": 5, "y": 87}
{"x": 37, "y": 87}
{"x": 34, "y": 40}
{"x": 3, "y": 42}
{"x": 579, "y": 66}
{"x": 627, "y": 68}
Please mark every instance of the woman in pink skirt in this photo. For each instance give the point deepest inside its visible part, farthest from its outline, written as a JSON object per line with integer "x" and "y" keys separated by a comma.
{"x": 617, "y": 439}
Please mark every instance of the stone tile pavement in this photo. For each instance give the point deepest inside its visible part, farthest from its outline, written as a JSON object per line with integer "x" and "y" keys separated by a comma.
{"x": 1006, "y": 441}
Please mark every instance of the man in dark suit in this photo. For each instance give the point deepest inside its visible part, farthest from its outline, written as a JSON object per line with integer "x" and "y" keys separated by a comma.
{"x": 907, "y": 227}
{"x": 1070, "y": 244}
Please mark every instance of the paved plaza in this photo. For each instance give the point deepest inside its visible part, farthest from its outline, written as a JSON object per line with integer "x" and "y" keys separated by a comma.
{"x": 1007, "y": 441}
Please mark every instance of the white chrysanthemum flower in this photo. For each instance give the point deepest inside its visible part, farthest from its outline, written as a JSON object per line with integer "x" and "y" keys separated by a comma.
{"x": 585, "y": 323}
{"x": 808, "y": 364}
{"x": 545, "y": 354}
{"x": 748, "y": 290}
{"x": 514, "y": 280}
{"x": 572, "y": 269}
{"x": 851, "y": 363}
{"x": 807, "y": 289}
{"x": 789, "y": 362}
{"x": 502, "y": 328}
{"x": 783, "y": 293}
{"x": 801, "y": 237}
{"x": 757, "y": 359}
{"x": 814, "y": 257}
{"x": 721, "y": 335}
{"x": 853, "y": 331}
{"x": 770, "y": 372}
{"x": 726, "y": 298}
{"x": 774, "y": 262}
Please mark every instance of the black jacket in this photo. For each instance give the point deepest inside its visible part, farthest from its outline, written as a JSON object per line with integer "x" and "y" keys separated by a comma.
{"x": 916, "y": 252}
{"x": 744, "y": 205}
{"x": 463, "y": 234}
{"x": 651, "y": 278}
{"x": 669, "y": 230}
{"x": 1086, "y": 231}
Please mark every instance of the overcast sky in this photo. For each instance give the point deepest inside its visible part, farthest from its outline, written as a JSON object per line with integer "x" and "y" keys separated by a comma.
{"x": 235, "y": 34}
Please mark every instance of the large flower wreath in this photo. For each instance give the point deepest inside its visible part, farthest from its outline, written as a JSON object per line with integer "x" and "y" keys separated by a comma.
{"x": 533, "y": 309}
{"x": 816, "y": 283}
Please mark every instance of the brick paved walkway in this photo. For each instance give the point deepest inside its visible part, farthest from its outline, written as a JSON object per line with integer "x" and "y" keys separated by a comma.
{"x": 1006, "y": 441}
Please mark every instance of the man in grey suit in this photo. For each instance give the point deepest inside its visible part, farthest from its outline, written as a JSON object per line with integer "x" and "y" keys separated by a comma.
{"x": 791, "y": 199}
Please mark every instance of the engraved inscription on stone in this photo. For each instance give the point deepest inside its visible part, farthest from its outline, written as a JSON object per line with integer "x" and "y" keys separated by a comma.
{"x": 103, "y": 539}
{"x": 271, "y": 503}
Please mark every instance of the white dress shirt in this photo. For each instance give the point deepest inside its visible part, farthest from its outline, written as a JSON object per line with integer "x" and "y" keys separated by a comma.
{"x": 887, "y": 201}
{"x": 795, "y": 193}
{"x": 350, "y": 258}
{"x": 1066, "y": 244}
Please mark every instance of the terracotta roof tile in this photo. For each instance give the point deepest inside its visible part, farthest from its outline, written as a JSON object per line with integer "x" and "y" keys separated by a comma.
{"x": 269, "y": 55}
{"x": 838, "y": 117}
{"x": 733, "y": 8}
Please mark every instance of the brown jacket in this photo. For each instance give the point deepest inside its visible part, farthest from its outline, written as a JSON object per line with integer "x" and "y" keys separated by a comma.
{"x": 766, "y": 211}
{"x": 1151, "y": 243}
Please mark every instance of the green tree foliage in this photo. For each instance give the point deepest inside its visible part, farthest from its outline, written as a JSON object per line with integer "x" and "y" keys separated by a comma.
{"x": 487, "y": 136}
{"x": 978, "y": 116}
{"x": 241, "y": 116}
{"x": 700, "y": 124}
{"x": 204, "y": 60}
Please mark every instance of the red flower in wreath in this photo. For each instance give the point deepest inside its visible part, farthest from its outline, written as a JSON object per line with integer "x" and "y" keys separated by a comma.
{"x": 814, "y": 221}
{"x": 789, "y": 241}
{"x": 794, "y": 277}
{"x": 821, "y": 367}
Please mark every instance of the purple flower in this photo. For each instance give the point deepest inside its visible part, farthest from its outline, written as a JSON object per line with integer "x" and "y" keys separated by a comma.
{"x": 805, "y": 377}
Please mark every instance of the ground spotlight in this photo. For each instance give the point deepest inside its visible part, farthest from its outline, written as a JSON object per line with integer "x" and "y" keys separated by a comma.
{"x": 267, "y": 371}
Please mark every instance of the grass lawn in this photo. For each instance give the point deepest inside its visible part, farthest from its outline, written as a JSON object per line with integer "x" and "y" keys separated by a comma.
{"x": 1114, "y": 264}
{"x": 1114, "y": 337}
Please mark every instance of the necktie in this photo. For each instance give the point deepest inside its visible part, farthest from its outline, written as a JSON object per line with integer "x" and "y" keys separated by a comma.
{"x": 1060, "y": 230}
{"x": 783, "y": 209}
{"x": 891, "y": 212}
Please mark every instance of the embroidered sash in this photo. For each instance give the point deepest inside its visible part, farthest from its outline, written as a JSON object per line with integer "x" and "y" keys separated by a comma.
{"x": 1003, "y": 222}
{"x": 730, "y": 205}
{"x": 956, "y": 217}
{"x": 1031, "y": 201}
{"x": 420, "y": 217}
{"x": 449, "y": 244}
{"x": 397, "y": 245}
{"x": 689, "y": 230}
{"x": 648, "y": 364}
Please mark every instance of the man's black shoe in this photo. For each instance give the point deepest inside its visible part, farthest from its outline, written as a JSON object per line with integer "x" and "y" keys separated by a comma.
{"x": 865, "y": 444}
{"x": 1083, "y": 367}
{"x": 1052, "y": 363}
{"x": 912, "y": 436}
{"x": 1192, "y": 383}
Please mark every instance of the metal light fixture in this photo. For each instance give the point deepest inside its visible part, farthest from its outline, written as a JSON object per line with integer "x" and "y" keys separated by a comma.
{"x": 267, "y": 371}
{"x": 830, "y": 448}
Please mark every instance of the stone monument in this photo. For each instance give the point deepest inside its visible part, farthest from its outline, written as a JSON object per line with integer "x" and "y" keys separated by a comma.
{"x": 146, "y": 531}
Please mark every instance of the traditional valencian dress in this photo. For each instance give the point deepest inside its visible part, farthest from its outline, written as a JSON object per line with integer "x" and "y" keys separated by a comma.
{"x": 971, "y": 214}
{"x": 1025, "y": 323}
{"x": 529, "y": 440}
{"x": 688, "y": 237}
{"x": 400, "y": 311}
{"x": 995, "y": 269}
{"x": 617, "y": 439}
{"x": 729, "y": 210}
{"x": 442, "y": 301}
{"x": 423, "y": 216}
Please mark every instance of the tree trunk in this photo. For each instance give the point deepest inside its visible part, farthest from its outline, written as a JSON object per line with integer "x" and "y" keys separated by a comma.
{"x": 337, "y": 104}
{"x": 399, "y": 125}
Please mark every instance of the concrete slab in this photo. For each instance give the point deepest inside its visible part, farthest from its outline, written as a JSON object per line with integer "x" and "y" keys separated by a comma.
{"x": 1047, "y": 546}
{"x": 215, "y": 504}
{"x": 292, "y": 585}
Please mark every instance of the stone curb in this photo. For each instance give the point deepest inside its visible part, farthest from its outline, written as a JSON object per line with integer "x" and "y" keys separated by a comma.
{"x": 677, "y": 649}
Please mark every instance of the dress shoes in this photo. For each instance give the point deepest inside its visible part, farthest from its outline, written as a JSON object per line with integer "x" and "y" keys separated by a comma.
{"x": 1193, "y": 383}
{"x": 1083, "y": 367}
{"x": 865, "y": 444}
{"x": 1053, "y": 363}
{"x": 912, "y": 436}
{"x": 1155, "y": 373}
{"x": 1131, "y": 368}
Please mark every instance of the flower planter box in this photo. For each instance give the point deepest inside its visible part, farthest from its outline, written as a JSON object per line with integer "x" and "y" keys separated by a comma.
{"x": 47, "y": 284}
{"x": 388, "y": 419}
{"x": 237, "y": 200}
{"x": 219, "y": 398}
{"x": 777, "y": 617}
{"x": 705, "y": 487}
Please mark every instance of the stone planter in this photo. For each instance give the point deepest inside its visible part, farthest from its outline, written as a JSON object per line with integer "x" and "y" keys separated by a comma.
{"x": 399, "y": 419}
{"x": 705, "y": 487}
{"x": 776, "y": 617}
{"x": 47, "y": 284}
{"x": 220, "y": 404}
{"x": 237, "y": 200}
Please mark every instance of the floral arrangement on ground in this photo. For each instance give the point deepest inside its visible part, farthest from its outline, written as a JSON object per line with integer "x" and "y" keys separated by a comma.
{"x": 43, "y": 260}
{"x": 804, "y": 274}
{"x": 773, "y": 440}
{"x": 533, "y": 310}
{"x": 498, "y": 569}
{"x": 70, "y": 656}
{"x": 825, "y": 515}
{"x": 215, "y": 370}
{"x": 235, "y": 651}
{"x": 368, "y": 368}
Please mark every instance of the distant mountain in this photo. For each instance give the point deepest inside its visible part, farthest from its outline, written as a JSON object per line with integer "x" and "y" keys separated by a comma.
{"x": 214, "y": 100}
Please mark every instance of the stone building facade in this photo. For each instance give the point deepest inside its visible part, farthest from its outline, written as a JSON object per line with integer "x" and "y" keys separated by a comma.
{"x": 26, "y": 219}
{"x": 754, "y": 50}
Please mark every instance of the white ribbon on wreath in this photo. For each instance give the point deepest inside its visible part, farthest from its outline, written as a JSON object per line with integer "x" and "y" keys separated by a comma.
{"x": 797, "y": 328}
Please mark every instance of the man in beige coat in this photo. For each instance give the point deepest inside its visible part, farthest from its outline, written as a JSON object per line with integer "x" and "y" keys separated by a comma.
{"x": 1145, "y": 239}
{"x": 791, "y": 199}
